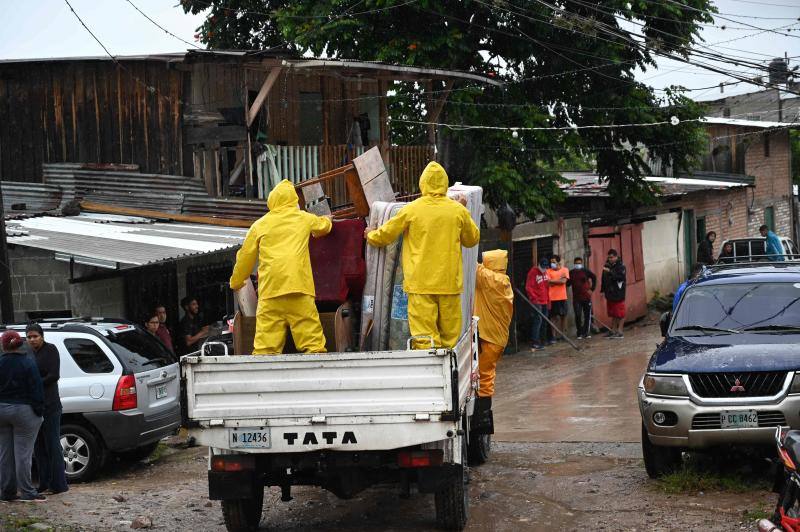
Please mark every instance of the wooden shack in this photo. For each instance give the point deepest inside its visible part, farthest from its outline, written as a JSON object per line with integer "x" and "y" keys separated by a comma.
{"x": 235, "y": 120}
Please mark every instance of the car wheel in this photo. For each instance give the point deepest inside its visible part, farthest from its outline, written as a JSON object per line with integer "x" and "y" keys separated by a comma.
{"x": 243, "y": 515}
{"x": 452, "y": 501}
{"x": 658, "y": 460}
{"x": 84, "y": 453}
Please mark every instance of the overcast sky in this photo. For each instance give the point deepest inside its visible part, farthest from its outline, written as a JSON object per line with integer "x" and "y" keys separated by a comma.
{"x": 47, "y": 28}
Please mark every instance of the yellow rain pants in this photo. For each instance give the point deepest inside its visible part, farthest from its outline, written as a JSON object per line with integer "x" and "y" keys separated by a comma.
{"x": 488, "y": 356}
{"x": 279, "y": 242}
{"x": 437, "y": 316}
{"x": 296, "y": 312}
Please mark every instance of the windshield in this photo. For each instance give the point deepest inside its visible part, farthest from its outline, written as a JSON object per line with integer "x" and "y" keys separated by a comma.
{"x": 140, "y": 351}
{"x": 731, "y": 308}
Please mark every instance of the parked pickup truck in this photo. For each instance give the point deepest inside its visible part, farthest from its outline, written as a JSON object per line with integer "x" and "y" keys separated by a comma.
{"x": 341, "y": 421}
{"x": 728, "y": 369}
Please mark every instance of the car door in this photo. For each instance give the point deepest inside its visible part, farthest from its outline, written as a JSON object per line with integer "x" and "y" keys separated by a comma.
{"x": 155, "y": 370}
{"x": 89, "y": 372}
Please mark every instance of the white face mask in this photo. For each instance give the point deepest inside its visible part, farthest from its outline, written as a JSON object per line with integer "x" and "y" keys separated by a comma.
{"x": 554, "y": 265}
{"x": 579, "y": 266}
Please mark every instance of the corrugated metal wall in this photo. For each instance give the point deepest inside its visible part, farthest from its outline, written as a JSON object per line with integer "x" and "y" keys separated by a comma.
{"x": 89, "y": 111}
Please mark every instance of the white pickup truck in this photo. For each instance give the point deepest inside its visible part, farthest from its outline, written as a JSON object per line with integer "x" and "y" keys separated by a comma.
{"x": 341, "y": 421}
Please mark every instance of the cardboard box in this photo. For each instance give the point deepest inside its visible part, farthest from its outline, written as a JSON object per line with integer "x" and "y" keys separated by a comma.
{"x": 244, "y": 331}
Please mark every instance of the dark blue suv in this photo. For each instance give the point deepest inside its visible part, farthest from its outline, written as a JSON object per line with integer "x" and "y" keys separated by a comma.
{"x": 725, "y": 372}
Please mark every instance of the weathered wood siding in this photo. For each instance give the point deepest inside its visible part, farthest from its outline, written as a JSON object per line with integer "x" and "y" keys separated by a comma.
{"x": 89, "y": 111}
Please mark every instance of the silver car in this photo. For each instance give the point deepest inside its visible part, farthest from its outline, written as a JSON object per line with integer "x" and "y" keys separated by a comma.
{"x": 119, "y": 388}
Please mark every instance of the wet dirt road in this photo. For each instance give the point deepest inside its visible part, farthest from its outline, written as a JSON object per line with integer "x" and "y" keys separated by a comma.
{"x": 566, "y": 457}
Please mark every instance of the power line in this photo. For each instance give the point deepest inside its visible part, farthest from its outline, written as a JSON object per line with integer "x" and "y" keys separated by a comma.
{"x": 463, "y": 127}
{"x": 159, "y": 26}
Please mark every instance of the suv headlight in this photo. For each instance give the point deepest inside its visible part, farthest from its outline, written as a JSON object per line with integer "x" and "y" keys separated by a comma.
{"x": 662, "y": 385}
{"x": 795, "y": 387}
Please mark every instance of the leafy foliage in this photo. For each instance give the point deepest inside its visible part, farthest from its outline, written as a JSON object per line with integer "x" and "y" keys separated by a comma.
{"x": 566, "y": 63}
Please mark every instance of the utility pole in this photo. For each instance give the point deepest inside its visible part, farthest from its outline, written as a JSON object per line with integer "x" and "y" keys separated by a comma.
{"x": 6, "y": 296}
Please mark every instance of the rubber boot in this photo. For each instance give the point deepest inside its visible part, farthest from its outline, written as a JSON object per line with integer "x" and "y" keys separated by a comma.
{"x": 482, "y": 419}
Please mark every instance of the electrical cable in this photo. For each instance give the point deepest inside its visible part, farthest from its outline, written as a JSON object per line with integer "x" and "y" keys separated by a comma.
{"x": 159, "y": 26}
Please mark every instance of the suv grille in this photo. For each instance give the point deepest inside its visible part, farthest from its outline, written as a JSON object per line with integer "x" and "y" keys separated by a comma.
{"x": 754, "y": 384}
{"x": 710, "y": 421}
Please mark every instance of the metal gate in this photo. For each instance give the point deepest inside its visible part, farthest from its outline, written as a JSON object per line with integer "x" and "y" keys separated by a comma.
{"x": 209, "y": 284}
{"x": 149, "y": 286}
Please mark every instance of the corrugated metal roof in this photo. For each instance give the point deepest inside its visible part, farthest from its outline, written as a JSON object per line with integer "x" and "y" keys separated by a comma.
{"x": 119, "y": 243}
{"x": 587, "y": 184}
{"x": 761, "y": 124}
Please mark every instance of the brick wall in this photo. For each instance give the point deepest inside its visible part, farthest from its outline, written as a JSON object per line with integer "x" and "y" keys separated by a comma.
{"x": 38, "y": 282}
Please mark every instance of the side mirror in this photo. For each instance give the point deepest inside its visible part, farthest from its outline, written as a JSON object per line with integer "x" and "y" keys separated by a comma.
{"x": 214, "y": 349}
{"x": 666, "y": 317}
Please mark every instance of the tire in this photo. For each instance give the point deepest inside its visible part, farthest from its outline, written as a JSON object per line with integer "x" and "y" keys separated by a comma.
{"x": 452, "y": 501}
{"x": 658, "y": 460}
{"x": 243, "y": 515}
{"x": 140, "y": 453}
{"x": 479, "y": 448}
{"x": 84, "y": 453}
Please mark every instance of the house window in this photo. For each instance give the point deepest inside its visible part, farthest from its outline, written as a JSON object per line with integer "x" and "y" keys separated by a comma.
{"x": 700, "y": 232}
{"x": 766, "y": 144}
{"x": 310, "y": 119}
{"x": 769, "y": 218}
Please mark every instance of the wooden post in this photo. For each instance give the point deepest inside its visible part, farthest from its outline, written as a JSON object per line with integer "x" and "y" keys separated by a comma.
{"x": 384, "y": 122}
{"x": 263, "y": 92}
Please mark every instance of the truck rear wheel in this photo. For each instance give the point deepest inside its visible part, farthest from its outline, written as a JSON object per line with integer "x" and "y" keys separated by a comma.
{"x": 480, "y": 446}
{"x": 452, "y": 501}
{"x": 243, "y": 515}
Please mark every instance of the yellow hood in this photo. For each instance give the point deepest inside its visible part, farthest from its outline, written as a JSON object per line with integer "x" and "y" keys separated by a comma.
{"x": 282, "y": 196}
{"x": 433, "y": 181}
{"x": 496, "y": 260}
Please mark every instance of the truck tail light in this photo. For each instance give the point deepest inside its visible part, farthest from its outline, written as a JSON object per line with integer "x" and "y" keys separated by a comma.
{"x": 425, "y": 458}
{"x": 125, "y": 395}
{"x": 232, "y": 462}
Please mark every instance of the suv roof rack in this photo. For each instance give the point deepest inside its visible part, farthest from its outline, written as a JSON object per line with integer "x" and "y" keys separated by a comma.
{"x": 718, "y": 266}
{"x": 55, "y": 323}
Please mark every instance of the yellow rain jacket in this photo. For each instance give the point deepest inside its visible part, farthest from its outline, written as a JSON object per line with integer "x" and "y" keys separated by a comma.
{"x": 494, "y": 305}
{"x": 494, "y": 297}
{"x": 279, "y": 240}
{"x": 434, "y": 227}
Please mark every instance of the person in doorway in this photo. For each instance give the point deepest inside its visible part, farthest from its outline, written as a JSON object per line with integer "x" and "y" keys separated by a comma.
{"x": 537, "y": 286}
{"x": 613, "y": 285}
{"x": 705, "y": 250}
{"x": 773, "y": 248}
{"x": 191, "y": 330}
{"x": 48, "y": 451}
{"x": 494, "y": 306}
{"x": 726, "y": 255}
{"x": 434, "y": 227}
{"x": 163, "y": 330}
{"x": 558, "y": 277}
{"x": 583, "y": 282}
{"x": 21, "y": 409}
{"x": 278, "y": 241}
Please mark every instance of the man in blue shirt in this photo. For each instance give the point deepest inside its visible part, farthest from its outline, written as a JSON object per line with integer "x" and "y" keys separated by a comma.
{"x": 696, "y": 271}
{"x": 773, "y": 248}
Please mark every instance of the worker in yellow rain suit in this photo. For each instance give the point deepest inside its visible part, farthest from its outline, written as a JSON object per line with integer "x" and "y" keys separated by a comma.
{"x": 434, "y": 227}
{"x": 279, "y": 240}
{"x": 494, "y": 306}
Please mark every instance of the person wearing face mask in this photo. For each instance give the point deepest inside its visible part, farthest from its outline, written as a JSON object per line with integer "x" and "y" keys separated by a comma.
{"x": 583, "y": 282}
{"x": 538, "y": 290}
{"x": 558, "y": 276}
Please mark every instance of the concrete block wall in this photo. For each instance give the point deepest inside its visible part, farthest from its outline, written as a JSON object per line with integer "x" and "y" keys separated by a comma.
{"x": 104, "y": 298}
{"x": 38, "y": 282}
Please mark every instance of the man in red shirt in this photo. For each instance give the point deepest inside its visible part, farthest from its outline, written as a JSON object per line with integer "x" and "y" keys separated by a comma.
{"x": 537, "y": 286}
{"x": 583, "y": 282}
{"x": 163, "y": 332}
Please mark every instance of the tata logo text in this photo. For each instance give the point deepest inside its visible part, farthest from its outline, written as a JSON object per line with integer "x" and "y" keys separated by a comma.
{"x": 310, "y": 438}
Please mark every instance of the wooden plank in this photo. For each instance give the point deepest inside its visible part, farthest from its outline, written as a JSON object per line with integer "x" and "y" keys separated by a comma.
{"x": 201, "y": 135}
{"x": 263, "y": 92}
{"x": 90, "y": 206}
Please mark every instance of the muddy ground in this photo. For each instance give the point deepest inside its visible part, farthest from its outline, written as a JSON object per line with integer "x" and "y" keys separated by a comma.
{"x": 566, "y": 457}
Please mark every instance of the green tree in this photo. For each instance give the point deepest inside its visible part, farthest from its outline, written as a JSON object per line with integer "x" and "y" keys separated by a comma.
{"x": 565, "y": 64}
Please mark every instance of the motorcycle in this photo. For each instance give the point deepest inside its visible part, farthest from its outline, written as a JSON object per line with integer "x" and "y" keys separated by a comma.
{"x": 787, "y": 512}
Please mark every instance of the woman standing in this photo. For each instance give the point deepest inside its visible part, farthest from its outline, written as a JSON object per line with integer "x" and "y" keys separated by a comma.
{"x": 705, "y": 251}
{"x": 48, "y": 451}
{"x": 21, "y": 408}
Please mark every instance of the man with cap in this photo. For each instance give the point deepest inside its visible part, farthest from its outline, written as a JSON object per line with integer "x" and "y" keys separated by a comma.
{"x": 434, "y": 228}
{"x": 537, "y": 287}
{"x": 21, "y": 408}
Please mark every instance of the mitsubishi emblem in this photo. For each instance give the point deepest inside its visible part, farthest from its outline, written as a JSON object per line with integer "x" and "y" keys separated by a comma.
{"x": 737, "y": 386}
